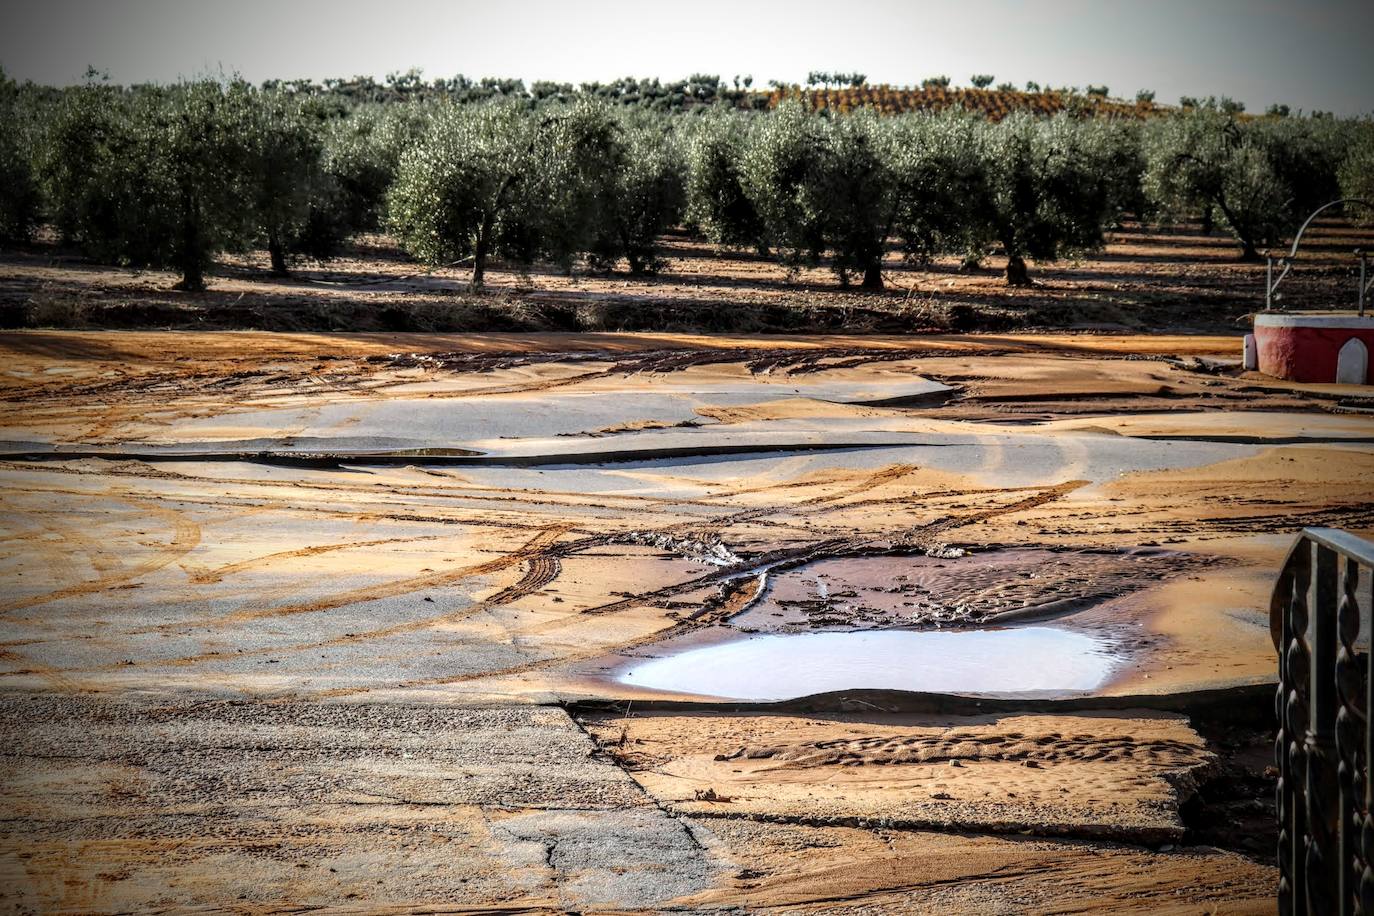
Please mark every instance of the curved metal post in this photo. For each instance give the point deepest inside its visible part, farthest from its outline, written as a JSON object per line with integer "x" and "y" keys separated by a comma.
{"x": 1271, "y": 283}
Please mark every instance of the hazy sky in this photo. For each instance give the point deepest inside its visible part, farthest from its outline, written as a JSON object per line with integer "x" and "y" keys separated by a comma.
{"x": 1309, "y": 54}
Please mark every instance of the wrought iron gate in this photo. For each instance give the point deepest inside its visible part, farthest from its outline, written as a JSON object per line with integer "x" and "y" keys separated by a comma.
{"x": 1320, "y": 621}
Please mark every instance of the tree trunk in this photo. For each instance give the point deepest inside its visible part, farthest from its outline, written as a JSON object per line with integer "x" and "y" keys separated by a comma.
{"x": 277, "y": 252}
{"x": 1248, "y": 251}
{"x": 482, "y": 249}
{"x": 479, "y": 254}
{"x": 192, "y": 278}
{"x": 189, "y": 255}
{"x": 1207, "y": 220}
{"x": 873, "y": 276}
{"x": 1017, "y": 275}
{"x": 479, "y": 265}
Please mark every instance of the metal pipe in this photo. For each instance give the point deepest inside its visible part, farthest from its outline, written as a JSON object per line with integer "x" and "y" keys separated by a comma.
{"x": 1287, "y": 262}
{"x": 1269, "y": 283}
{"x": 1364, "y": 262}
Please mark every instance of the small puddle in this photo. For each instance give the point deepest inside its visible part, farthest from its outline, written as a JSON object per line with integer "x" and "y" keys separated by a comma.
{"x": 1018, "y": 660}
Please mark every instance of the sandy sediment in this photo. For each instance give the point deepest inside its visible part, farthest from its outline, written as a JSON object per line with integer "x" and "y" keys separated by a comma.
{"x": 230, "y": 677}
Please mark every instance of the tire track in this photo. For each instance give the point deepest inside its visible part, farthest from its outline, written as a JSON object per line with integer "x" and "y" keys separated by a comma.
{"x": 390, "y": 589}
{"x": 185, "y": 538}
{"x": 541, "y": 570}
{"x": 203, "y": 576}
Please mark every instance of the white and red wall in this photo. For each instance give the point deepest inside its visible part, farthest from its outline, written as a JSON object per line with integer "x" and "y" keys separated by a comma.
{"x": 1315, "y": 347}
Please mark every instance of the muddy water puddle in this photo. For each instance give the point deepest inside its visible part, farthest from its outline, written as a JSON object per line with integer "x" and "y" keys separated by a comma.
{"x": 1030, "y": 660}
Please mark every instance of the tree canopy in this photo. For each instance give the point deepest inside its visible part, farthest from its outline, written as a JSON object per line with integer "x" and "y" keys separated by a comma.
{"x": 461, "y": 170}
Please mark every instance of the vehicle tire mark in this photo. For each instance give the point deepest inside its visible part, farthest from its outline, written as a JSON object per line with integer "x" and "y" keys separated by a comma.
{"x": 185, "y": 538}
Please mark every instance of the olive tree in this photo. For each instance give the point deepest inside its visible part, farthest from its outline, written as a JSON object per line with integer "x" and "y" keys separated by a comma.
{"x": 498, "y": 178}
{"x": 1306, "y": 156}
{"x": 1357, "y": 171}
{"x": 296, "y": 205}
{"x": 646, "y": 199}
{"x": 1204, "y": 159}
{"x": 578, "y": 155}
{"x": 1044, "y": 194}
{"x": 852, "y": 190}
{"x": 779, "y": 175}
{"x": 157, "y": 179}
{"x": 717, "y": 202}
{"x": 19, "y": 195}
{"x": 362, "y": 152}
{"x": 1119, "y": 149}
{"x": 461, "y": 191}
{"x": 84, "y": 154}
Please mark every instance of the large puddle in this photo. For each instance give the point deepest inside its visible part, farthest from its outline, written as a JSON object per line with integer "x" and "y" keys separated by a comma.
{"x": 1033, "y": 660}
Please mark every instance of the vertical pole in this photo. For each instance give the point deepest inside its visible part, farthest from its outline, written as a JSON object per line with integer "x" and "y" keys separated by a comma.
{"x": 1364, "y": 261}
{"x": 1269, "y": 283}
{"x": 1350, "y": 720}
{"x": 1367, "y": 820}
{"x": 1285, "y": 794}
{"x": 1296, "y": 717}
{"x": 1323, "y": 792}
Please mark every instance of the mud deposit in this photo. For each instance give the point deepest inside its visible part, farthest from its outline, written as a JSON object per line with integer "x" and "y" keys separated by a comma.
{"x": 358, "y": 679}
{"x": 958, "y": 589}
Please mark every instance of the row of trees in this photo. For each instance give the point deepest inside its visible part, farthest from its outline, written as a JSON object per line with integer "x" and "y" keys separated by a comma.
{"x": 170, "y": 176}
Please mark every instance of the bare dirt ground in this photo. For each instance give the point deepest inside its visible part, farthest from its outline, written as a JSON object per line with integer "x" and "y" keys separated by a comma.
{"x": 335, "y": 620}
{"x": 1145, "y": 278}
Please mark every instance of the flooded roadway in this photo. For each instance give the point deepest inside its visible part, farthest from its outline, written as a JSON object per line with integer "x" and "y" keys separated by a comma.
{"x": 174, "y": 630}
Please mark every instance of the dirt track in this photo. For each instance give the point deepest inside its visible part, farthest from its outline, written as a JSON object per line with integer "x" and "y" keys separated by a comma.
{"x": 1145, "y": 279}
{"x": 235, "y": 682}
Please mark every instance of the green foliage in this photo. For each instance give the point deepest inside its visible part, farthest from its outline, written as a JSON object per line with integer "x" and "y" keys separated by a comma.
{"x": 852, "y": 193}
{"x": 297, "y": 207}
{"x": 463, "y": 190}
{"x": 463, "y": 169}
{"x": 500, "y": 180}
{"x": 1099, "y": 91}
{"x": 577, "y": 158}
{"x": 157, "y": 179}
{"x": 361, "y": 154}
{"x": 1118, "y": 148}
{"x": 823, "y": 78}
{"x": 1046, "y": 195}
{"x": 1145, "y": 96}
{"x": 935, "y": 82}
{"x": 19, "y": 196}
{"x": 646, "y": 199}
{"x": 981, "y": 80}
{"x": 937, "y": 183}
{"x": 779, "y": 176}
{"x": 1262, "y": 177}
{"x": 1357, "y": 172}
{"x": 1305, "y": 155}
{"x": 717, "y": 203}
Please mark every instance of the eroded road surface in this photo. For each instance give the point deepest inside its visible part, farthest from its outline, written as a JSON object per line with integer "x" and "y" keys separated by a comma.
{"x": 344, "y": 621}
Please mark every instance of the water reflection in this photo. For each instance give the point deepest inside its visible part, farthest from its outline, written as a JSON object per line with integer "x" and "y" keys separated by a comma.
{"x": 1020, "y": 660}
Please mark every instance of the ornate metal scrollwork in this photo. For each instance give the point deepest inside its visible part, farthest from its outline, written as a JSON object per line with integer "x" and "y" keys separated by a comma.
{"x": 1324, "y": 743}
